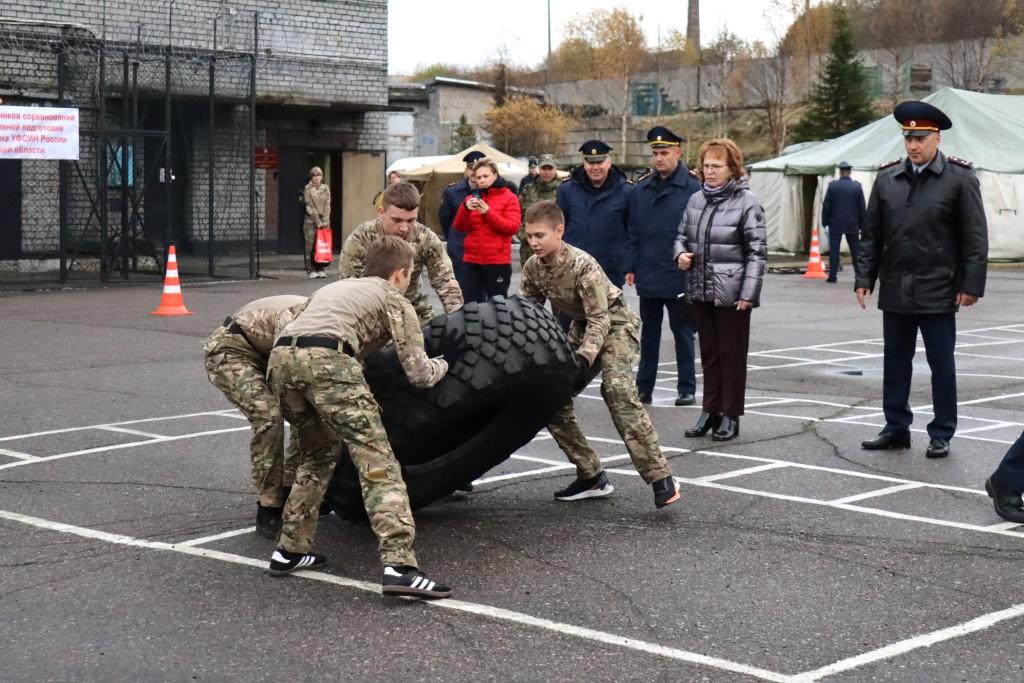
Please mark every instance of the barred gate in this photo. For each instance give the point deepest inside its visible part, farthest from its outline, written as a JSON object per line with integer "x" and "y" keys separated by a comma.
{"x": 166, "y": 157}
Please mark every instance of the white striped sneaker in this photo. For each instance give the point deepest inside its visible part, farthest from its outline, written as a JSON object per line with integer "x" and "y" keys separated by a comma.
{"x": 283, "y": 562}
{"x": 411, "y": 582}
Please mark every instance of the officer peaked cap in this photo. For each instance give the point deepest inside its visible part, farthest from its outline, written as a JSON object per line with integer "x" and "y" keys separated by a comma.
{"x": 920, "y": 118}
{"x": 595, "y": 150}
{"x": 660, "y": 136}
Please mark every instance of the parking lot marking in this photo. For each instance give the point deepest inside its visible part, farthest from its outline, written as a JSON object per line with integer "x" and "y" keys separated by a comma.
{"x": 745, "y": 470}
{"x": 134, "y": 432}
{"x": 879, "y": 492}
{"x": 915, "y": 643}
{"x": 18, "y": 454}
{"x": 487, "y": 611}
{"x": 121, "y": 446}
{"x": 217, "y": 537}
{"x": 68, "y": 430}
{"x": 1004, "y": 525}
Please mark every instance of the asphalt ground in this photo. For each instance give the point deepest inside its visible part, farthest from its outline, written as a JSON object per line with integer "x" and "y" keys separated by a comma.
{"x": 128, "y": 553}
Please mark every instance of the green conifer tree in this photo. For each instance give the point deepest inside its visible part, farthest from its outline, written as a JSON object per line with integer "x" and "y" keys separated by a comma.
{"x": 463, "y": 136}
{"x": 841, "y": 98}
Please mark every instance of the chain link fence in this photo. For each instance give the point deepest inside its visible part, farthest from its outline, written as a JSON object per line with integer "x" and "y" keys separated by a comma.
{"x": 167, "y": 140}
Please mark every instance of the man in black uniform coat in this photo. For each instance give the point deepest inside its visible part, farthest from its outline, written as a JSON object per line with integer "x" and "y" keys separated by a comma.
{"x": 925, "y": 240}
{"x": 842, "y": 213}
{"x": 1007, "y": 482}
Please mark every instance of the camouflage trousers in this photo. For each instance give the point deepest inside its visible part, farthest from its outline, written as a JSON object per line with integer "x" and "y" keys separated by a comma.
{"x": 309, "y": 227}
{"x": 619, "y": 353}
{"x": 239, "y": 371}
{"x": 326, "y": 399}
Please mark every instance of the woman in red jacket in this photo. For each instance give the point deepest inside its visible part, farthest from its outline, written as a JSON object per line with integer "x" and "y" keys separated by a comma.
{"x": 490, "y": 216}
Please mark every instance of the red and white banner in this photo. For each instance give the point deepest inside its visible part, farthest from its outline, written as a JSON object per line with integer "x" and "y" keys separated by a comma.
{"x": 38, "y": 133}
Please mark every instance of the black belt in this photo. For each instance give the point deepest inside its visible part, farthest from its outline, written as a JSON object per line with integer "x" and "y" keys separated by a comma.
{"x": 316, "y": 342}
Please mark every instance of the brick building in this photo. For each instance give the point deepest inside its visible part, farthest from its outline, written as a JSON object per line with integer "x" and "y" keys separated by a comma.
{"x": 320, "y": 96}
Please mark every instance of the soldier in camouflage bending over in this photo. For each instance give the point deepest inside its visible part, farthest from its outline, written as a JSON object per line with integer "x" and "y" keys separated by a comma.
{"x": 400, "y": 204}
{"x": 316, "y": 372}
{"x": 603, "y": 329}
{"x": 236, "y": 363}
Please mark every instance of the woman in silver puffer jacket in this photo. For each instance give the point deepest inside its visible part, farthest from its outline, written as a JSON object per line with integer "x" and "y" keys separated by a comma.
{"x": 722, "y": 246}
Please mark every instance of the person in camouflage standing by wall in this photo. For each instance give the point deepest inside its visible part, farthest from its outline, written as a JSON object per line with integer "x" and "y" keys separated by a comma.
{"x": 236, "y": 363}
{"x": 315, "y": 370}
{"x": 603, "y": 329}
{"x": 401, "y": 203}
{"x": 317, "y": 198}
{"x": 542, "y": 189}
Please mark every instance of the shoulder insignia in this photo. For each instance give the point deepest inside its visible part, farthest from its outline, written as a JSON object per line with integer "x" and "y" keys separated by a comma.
{"x": 959, "y": 162}
{"x": 694, "y": 173}
{"x": 890, "y": 163}
{"x": 451, "y": 184}
{"x": 644, "y": 176}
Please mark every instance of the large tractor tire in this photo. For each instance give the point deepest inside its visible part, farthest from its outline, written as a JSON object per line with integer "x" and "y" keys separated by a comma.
{"x": 510, "y": 370}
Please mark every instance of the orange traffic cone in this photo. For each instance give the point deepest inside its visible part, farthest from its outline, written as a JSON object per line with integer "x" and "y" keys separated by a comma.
{"x": 171, "y": 302}
{"x": 814, "y": 269}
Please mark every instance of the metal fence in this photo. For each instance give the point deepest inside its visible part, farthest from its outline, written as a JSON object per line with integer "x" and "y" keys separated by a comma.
{"x": 167, "y": 139}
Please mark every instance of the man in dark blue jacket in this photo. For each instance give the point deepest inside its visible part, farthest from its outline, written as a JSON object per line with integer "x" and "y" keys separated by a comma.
{"x": 451, "y": 197}
{"x": 843, "y": 214}
{"x": 656, "y": 206}
{"x": 594, "y": 203}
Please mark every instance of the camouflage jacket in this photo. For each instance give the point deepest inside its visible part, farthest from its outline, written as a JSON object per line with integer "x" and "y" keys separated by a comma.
{"x": 430, "y": 253}
{"x": 538, "y": 191}
{"x": 261, "y": 321}
{"x": 366, "y": 313}
{"x": 318, "y": 204}
{"x": 578, "y": 287}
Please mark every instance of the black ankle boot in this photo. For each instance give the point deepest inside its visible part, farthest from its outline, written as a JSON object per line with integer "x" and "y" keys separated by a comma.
{"x": 705, "y": 423}
{"x": 728, "y": 429}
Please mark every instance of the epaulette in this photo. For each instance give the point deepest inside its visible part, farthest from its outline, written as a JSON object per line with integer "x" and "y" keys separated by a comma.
{"x": 451, "y": 184}
{"x": 645, "y": 175}
{"x": 694, "y": 173}
{"x": 958, "y": 161}
{"x": 889, "y": 163}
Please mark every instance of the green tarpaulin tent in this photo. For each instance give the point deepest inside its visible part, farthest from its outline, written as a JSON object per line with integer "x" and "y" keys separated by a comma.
{"x": 987, "y": 129}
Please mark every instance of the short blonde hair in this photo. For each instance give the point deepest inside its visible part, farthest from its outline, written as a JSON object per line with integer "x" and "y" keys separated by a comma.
{"x": 733, "y": 156}
{"x": 316, "y": 170}
{"x": 488, "y": 162}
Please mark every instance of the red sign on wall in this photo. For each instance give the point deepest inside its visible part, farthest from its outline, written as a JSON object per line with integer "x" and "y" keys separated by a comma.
{"x": 266, "y": 158}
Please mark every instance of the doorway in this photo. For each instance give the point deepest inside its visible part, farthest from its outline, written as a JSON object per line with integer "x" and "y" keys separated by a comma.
{"x": 293, "y": 174}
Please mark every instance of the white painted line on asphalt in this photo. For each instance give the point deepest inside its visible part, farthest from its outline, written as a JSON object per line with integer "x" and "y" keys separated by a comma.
{"x": 984, "y": 374}
{"x": 1007, "y": 359}
{"x": 18, "y": 454}
{"x": 1004, "y": 525}
{"x": 521, "y": 475}
{"x": 121, "y": 446}
{"x": 879, "y": 492}
{"x": 915, "y": 643}
{"x": 217, "y": 537}
{"x": 135, "y": 432}
{"x": 744, "y": 471}
{"x": 119, "y": 424}
{"x": 987, "y": 428}
{"x": 488, "y": 611}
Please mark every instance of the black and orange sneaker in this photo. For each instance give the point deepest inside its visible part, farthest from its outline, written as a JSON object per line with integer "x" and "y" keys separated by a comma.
{"x": 595, "y": 487}
{"x": 666, "y": 491}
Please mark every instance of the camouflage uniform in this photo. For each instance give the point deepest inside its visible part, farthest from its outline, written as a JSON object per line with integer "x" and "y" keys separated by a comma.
{"x": 430, "y": 253}
{"x": 236, "y": 363}
{"x": 318, "y": 212}
{"x": 326, "y": 398}
{"x": 537, "y": 191}
{"x": 605, "y": 329}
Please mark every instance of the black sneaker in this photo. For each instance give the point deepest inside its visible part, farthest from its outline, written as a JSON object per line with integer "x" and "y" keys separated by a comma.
{"x": 411, "y": 582}
{"x": 595, "y": 487}
{"x": 283, "y": 562}
{"x": 268, "y": 521}
{"x": 666, "y": 491}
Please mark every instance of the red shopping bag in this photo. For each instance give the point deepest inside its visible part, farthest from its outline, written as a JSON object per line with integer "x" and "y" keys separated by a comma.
{"x": 324, "y": 246}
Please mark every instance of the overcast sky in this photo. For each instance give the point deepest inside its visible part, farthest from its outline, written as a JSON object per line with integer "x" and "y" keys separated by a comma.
{"x": 422, "y": 32}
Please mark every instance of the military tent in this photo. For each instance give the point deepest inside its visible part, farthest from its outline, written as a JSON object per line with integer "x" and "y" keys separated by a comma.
{"x": 988, "y": 130}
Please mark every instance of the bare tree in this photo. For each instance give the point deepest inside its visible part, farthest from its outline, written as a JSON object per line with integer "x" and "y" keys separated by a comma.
{"x": 766, "y": 80}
